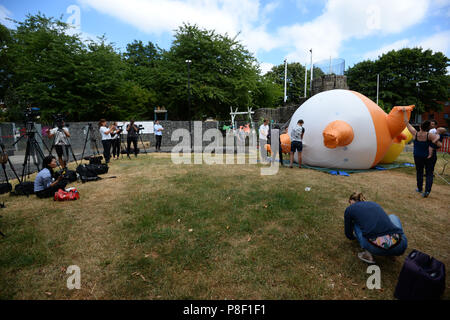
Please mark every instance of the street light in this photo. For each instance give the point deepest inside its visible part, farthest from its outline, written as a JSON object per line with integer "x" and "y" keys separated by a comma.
{"x": 189, "y": 86}
{"x": 189, "y": 100}
{"x": 418, "y": 90}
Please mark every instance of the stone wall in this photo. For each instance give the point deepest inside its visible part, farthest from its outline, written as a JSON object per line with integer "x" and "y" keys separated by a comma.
{"x": 329, "y": 82}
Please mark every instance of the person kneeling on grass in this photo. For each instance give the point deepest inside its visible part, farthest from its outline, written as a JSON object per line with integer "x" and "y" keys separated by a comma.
{"x": 45, "y": 185}
{"x": 378, "y": 234}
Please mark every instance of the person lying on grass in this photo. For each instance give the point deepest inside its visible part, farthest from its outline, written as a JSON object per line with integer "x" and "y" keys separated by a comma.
{"x": 378, "y": 234}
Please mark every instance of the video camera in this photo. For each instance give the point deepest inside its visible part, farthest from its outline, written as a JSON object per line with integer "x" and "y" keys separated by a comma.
{"x": 32, "y": 114}
{"x": 59, "y": 120}
{"x": 140, "y": 127}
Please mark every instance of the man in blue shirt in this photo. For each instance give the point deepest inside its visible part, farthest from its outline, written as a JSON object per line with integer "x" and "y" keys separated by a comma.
{"x": 378, "y": 233}
{"x": 158, "y": 135}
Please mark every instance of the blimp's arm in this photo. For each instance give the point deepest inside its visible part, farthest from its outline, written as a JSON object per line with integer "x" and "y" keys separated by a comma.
{"x": 408, "y": 125}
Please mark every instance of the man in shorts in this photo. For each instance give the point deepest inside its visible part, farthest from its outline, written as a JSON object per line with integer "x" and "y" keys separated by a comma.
{"x": 296, "y": 142}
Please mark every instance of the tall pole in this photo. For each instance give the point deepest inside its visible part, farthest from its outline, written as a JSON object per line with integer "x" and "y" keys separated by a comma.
{"x": 189, "y": 100}
{"x": 311, "y": 80}
{"x": 378, "y": 85}
{"x": 285, "y": 79}
{"x": 306, "y": 76}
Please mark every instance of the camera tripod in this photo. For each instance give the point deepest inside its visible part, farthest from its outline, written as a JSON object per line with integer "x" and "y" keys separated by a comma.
{"x": 140, "y": 137}
{"x": 65, "y": 148}
{"x": 33, "y": 150}
{"x": 5, "y": 159}
{"x": 93, "y": 139}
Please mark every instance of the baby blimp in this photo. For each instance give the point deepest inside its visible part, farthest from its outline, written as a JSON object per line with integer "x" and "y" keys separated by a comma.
{"x": 345, "y": 129}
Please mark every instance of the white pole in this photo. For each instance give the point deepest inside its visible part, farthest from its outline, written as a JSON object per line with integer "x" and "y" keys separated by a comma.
{"x": 306, "y": 75}
{"x": 285, "y": 79}
{"x": 378, "y": 85}
{"x": 311, "y": 80}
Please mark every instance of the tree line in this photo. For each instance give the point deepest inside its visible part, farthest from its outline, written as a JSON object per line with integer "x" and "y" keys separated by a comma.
{"x": 44, "y": 65}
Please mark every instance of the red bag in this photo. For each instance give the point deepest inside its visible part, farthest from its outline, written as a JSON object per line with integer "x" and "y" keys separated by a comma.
{"x": 62, "y": 195}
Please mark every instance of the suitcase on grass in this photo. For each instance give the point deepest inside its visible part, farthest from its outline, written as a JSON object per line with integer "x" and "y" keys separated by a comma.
{"x": 421, "y": 278}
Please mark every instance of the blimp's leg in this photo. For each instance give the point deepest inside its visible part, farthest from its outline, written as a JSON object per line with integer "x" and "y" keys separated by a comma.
{"x": 337, "y": 134}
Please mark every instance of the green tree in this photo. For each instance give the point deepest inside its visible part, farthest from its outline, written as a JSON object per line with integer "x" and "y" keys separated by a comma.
{"x": 222, "y": 74}
{"x": 399, "y": 72}
{"x": 295, "y": 80}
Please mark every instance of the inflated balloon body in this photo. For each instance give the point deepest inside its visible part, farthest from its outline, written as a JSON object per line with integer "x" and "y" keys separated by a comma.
{"x": 397, "y": 146}
{"x": 285, "y": 144}
{"x": 344, "y": 129}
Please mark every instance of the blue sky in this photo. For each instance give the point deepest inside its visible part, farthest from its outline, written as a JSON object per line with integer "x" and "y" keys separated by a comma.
{"x": 273, "y": 30}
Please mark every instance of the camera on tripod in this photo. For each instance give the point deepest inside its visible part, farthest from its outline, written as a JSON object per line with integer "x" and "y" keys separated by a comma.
{"x": 140, "y": 127}
{"x": 59, "y": 120}
{"x": 32, "y": 114}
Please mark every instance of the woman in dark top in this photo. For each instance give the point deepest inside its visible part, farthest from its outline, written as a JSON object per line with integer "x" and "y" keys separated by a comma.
{"x": 378, "y": 233}
{"x": 132, "y": 136}
{"x": 422, "y": 140}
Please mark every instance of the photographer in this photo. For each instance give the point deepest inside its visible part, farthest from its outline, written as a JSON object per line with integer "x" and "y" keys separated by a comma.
{"x": 106, "y": 138}
{"x": 45, "y": 185}
{"x": 132, "y": 136}
{"x": 61, "y": 143}
{"x": 115, "y": 141}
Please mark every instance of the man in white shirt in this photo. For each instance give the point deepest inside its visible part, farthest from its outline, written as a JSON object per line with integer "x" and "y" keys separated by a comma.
{"x": 263, "y": 133}
{"x": 158, "y": 135}
{"x": 297, "y": 142}
{"x": 61, "y": 142}
{"x": 433, "y": 127}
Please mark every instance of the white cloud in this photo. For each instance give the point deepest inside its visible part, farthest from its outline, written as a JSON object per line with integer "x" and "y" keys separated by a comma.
{"x": 438, "y": 42}
{"x": 344, "y": 20}
{"x": 5, "y": 13}
{"x": 340, "y": 20}
{"x": 265, "y": 67}
{"x": 397, "y": 45}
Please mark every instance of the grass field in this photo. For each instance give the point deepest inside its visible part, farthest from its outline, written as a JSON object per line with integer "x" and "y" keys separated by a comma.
{"x": 166, "y": 231}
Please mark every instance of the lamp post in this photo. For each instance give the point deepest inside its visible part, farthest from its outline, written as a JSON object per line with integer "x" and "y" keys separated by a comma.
{"x": 189, "y": 100}
{"x": 285, "y": 79}
{"x": 418, "y": 90}
{"x": 189, "y": 86}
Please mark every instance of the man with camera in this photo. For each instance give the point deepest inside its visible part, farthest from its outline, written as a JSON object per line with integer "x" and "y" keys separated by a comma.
{"x": 132, "y": 136}
{"x": 61, "y": 142}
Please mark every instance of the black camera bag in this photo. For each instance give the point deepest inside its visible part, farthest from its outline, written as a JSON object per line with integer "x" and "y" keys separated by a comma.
{"x": 98, "y": 168}
{"x": 24, "y": 189}
{"x": 86, "y": 173}
{"x": 5, "y": 187}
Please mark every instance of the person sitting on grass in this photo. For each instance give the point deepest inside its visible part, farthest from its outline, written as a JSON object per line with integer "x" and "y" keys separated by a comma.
{"x": 45, "y": 185}
{"x": 378, "y": 234}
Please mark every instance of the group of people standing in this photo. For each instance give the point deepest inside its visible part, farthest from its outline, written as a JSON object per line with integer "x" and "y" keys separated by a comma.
{"x": 296, "y": 137}
{"x": 111, "y": 138}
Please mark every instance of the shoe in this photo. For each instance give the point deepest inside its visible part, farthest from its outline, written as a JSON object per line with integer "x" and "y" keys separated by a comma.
{"x": 419, "y": 191}
{"x": 366, "y": 257}
{"x": 291, "y": 167}
{"x": 425, "y": 194}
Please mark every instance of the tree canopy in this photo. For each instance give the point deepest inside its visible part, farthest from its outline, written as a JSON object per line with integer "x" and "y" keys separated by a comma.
{"x": 400, "y": 73}
{"x": 44, "y": 65}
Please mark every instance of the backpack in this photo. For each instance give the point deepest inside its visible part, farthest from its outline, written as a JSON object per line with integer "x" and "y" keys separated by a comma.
{"x": 94, "y": 159}
{"x": 24, "y": 188}
{"x": 421, "y": 278}
{"x": 5, "y": 187}
{"x": 62, "y": 195}
{"x": 69, "y": 175}
{"x": 86, "y": 174}
{"x": 98, "y": 168}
